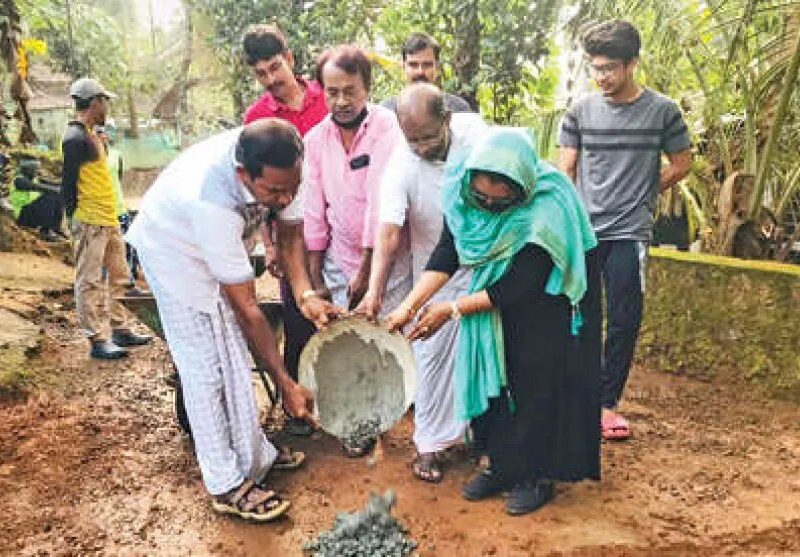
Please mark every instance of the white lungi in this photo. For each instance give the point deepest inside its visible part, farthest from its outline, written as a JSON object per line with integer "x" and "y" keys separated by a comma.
{"x": 411, "y": 195}
{"x": 213, "y": 362}
{"x": 435, "y": 425}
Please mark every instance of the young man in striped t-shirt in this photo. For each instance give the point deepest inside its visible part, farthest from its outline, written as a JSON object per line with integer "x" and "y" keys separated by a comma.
{"x": 611, "y": 145}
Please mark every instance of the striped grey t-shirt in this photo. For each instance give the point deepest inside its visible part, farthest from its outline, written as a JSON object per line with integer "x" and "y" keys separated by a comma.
{"x": 619, "y": 161}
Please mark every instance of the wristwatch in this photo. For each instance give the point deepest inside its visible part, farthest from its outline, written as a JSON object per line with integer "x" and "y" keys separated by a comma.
{"x": 304, "y": 297}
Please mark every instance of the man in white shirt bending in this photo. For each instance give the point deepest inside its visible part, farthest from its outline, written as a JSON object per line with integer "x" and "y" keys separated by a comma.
{"x": 192, "y": 235}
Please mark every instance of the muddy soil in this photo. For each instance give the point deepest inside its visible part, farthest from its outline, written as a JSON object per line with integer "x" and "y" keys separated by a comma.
{"x": 92, "y": 463}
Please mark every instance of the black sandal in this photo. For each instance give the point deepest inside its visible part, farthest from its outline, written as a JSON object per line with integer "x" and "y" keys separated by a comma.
{"x": 288, "y": 459}
{"x": 252, "y": 503}
{"x": 427, "y": 468}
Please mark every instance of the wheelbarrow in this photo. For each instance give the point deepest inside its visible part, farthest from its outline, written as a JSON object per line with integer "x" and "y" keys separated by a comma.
{"x": 145, "y": 308}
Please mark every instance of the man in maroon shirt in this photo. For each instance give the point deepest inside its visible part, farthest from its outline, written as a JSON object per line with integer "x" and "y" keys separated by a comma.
{"x": 286, "y": 96}
{"x": 302, "y": 103}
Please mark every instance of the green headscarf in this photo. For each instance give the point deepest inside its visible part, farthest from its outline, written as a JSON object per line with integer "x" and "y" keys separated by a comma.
{"x": 550, "y": 215}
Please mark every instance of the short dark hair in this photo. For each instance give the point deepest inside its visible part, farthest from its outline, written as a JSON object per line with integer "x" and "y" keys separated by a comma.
{"x": 616, "y": 39}
{"x": 420, "y": 41}
{"x": 268, "y": 142}
{"x": 262, "y": 42}
{"x": 350, "y": 58}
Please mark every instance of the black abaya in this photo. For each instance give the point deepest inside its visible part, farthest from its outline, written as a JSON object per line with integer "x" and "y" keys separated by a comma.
{"x": 553, "y": 431}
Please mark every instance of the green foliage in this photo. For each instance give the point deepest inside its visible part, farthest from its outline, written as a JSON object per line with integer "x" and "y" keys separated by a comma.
{"x": 95, "y": 48}
{"x": 308, "y": 28}
{"x": 724, "y": 61}
{"x": 502, "y": 65}
{"x": 103, "y": 39}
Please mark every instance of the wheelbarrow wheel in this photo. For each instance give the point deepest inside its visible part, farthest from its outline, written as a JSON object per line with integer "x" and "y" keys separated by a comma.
{"x": 180, "y": 408}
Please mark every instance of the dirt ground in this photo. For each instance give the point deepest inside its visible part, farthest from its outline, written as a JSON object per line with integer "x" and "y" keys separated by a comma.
{"x": 92, "y": 463}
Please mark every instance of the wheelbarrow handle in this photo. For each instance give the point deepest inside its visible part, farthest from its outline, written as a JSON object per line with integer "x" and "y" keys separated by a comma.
{"x": 273, "y": 397}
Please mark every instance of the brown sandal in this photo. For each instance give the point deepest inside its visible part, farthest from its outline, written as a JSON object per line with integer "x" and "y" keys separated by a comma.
{"x": 252, "y": 503}
{"x": 426, "y": 468}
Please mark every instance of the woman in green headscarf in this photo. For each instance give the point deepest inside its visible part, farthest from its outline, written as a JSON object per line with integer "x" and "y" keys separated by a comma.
{"x": 528, "y": 354}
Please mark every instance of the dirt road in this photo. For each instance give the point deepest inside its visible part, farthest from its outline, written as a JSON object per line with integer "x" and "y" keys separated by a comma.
{"x": 92, "y": 463}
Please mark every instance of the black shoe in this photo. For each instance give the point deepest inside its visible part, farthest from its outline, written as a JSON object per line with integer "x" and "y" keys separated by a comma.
{"x": 298, "y": 427}
{"x": 106, "y": 350}
{"x": 129, "y": 338}
{"x": 484, "y": 485}
{"x": 529, "y": 496}
{"x": 134, "y": 292}
{"x": 49, "y": 236}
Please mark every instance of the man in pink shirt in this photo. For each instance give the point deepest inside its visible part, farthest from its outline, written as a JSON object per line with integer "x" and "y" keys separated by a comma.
{"x": 291, "y": 98}
{"x": 345, "y": 157}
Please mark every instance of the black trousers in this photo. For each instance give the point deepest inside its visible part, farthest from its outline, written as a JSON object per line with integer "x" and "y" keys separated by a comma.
{"x": 296, "y": 329}
{"x": 46, "y": 213}
{"x": 622, "y": 265}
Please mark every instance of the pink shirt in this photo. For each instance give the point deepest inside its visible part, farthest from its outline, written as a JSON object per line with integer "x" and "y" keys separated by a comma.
{"x": 313, "y": 110}
{"x": 340, "y": 208}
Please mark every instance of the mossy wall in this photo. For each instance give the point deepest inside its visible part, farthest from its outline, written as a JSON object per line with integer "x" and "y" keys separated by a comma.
{"x": 710, "y": 316}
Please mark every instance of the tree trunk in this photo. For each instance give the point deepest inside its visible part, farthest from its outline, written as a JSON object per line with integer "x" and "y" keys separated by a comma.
{"x": 130, "y": 101}
{"x": 186, "y": 61}
{"x": 237, "y": 96}
{"x": 133, "y": 116}
{"x": 466, "y": 59}
{"x": 10, "y": 37}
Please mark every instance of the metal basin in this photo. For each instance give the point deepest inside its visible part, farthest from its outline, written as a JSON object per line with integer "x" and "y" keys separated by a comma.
{"x": 358, "y": 372}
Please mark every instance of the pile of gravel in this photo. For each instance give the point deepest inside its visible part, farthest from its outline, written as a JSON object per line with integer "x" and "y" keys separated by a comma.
{"x": 362, "y": 432}
{"x": 372, "y": 532}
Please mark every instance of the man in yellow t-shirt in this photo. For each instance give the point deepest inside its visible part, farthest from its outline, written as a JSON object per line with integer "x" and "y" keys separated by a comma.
{"x": 90, "y": 203}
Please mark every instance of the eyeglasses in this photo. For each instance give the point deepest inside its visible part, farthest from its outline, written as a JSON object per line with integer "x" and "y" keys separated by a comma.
{"x": 603, "y": 70}
{"x": 428, "y": 139}
{"x": 494, "y": 204}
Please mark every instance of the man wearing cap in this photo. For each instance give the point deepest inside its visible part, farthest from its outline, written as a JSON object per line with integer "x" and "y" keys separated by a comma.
{"x": 90, "y": 203}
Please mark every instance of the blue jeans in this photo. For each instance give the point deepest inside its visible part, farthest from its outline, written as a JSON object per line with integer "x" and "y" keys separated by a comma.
{"x": 622, "y": 265}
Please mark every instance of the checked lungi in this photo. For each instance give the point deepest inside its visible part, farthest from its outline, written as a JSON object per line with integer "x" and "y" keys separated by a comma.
{"x": 213, "y": 362}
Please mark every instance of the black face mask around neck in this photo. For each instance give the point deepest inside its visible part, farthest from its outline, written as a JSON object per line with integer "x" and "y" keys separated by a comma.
{"x": 354, "y": 123}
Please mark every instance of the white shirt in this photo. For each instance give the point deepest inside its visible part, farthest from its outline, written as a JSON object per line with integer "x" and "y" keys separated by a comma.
{"x": 194, "y": 221}
{"x": 411, "y": 189}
